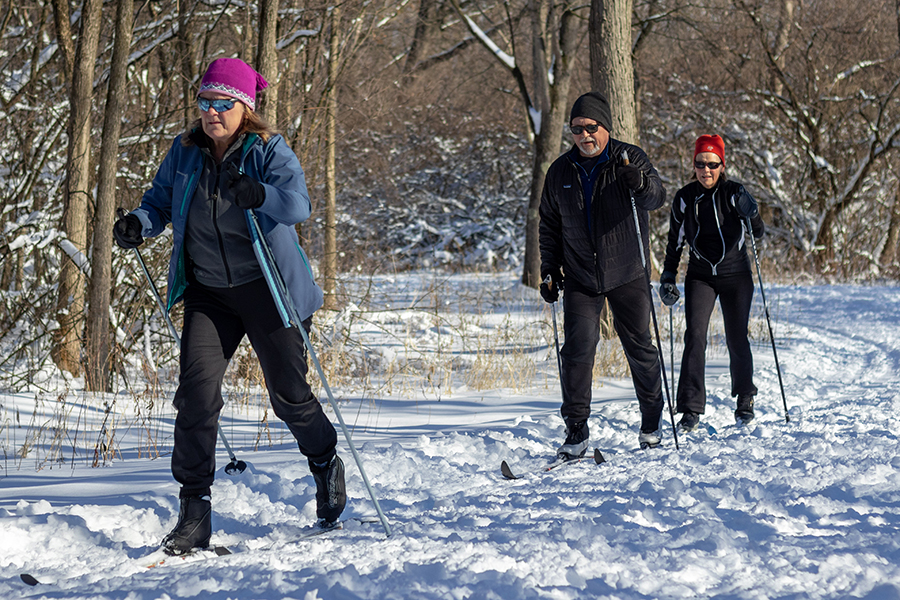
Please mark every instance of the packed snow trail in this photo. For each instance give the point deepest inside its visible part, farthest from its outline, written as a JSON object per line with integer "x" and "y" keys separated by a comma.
{"x": 806, "y": 509}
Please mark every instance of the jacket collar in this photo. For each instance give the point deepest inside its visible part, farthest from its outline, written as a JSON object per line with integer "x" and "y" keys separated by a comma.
{"x": 243, "y": 142}
{"x": 574, "y": 155}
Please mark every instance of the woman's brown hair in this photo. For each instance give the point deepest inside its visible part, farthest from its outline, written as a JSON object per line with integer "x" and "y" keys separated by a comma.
{"x": 252, "y": 123}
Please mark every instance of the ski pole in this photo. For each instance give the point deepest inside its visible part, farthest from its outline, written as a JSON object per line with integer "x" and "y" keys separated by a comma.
{"x": 296, "y": 321}
{"x": 672, "y": 349}
{"x": 659, "y": 350}
{"x": 235, "y": 466}
{"x": 548, "y": 280}
{"x": 762, "y": 291}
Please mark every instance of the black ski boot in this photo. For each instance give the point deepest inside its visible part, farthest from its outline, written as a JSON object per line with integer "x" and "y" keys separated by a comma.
{"x": 194, "y": 526}
{"x": 689, "y": 421}
{"x": 649, "y": 439}
{"x": 577, "y": 439}
{"x": 744, "y": 413}
{"x": 650, "y": 430}
{"x": 331, "y": 491}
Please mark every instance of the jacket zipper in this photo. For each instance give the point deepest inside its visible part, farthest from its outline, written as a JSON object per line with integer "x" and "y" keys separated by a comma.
{"x": 215, "y": 218}
{"x": 581, "y": 207}
{"x": 718, "y": 229}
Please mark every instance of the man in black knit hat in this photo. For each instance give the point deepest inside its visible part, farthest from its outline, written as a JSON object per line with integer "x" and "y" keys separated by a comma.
{"x": 590, "y": 249}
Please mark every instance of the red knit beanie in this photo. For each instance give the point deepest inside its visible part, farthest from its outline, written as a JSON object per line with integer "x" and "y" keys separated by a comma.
{"x": 710, "y": 143}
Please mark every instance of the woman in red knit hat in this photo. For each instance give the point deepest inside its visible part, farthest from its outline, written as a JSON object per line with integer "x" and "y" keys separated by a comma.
{"x": 712, "y": 215}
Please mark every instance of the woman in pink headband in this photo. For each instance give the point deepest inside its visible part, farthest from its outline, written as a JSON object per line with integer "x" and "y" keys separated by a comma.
{"x": 230, "y": 167}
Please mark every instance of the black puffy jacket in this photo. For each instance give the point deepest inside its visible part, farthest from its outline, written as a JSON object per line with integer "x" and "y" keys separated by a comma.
{"x": 608, "y": 255}
{"x": 707, "y": 220}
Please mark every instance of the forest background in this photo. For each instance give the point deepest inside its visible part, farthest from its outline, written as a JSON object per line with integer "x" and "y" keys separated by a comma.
{"x": 424, "y": 128}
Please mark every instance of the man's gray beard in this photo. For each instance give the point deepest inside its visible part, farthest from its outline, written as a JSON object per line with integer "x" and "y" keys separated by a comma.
{"x": 595, "y": 152}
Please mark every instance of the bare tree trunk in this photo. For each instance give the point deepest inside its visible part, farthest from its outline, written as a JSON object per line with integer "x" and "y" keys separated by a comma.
{"x": 71, "y": 292}
{"x": 548, "y": 139}
{"x": 98, "y": 352}
{"x": 541, "y": 56}
{"x": 183, "y": 43}
{"x": 286, "y": 104}
{"x": 546, "y": 115}
{"x": 897, "y": 13}
{"x": 612, "y": 72}
{"x": 247, "y": 37}
{"x": 64, "y": 36}
{"x": 427, "y": 27}
{"x": 330, "y": 258}
{"x": 645, "y": 29}
{"x": 546, "y": 148}
{"x": 267, "y": 58}
{"x": 891, "y": 251}
{"x": 781, "y": 42}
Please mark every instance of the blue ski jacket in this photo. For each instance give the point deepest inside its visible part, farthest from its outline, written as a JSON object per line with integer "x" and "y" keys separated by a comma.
{"x": 287, "y": 203}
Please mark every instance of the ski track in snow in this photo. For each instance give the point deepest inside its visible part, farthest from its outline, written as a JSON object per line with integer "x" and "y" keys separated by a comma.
{"x": 804, "y": 509}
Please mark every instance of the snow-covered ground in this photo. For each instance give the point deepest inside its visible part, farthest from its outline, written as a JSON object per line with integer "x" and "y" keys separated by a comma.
{"x": 808, "y": 508}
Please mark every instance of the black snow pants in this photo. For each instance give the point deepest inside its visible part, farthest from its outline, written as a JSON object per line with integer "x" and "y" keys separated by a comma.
{"x": 735, "y": 293}
{"x": 630, "y": 306}
{"x": 215, "y": 322}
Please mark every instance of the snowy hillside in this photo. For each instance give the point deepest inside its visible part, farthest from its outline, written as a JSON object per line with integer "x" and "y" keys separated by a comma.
{"x": 804, "y": 509}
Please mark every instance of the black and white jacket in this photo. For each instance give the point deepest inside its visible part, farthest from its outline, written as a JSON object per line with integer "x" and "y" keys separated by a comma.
{"x": 708, "y": 221}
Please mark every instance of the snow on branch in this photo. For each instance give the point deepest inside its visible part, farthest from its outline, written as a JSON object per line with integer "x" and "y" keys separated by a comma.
{"x": 847, "y": 73}
{"x": 286, "y": 42}
{"x": 140, "y": 53}
{"x": 502, "y": 56}
{"x": 535, "y": 115}
{"x": 81, "y": 261}
{"x": 17, "y": 80}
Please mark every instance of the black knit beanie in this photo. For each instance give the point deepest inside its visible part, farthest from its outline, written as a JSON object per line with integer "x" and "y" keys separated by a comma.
{"x": 592, "y": 105}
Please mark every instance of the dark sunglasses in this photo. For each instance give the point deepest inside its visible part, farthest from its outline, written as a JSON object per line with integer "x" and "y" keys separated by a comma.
{"x": 577, "y": 129}
{"x": 220, "y": 105}
{"x": 712, "y": 166}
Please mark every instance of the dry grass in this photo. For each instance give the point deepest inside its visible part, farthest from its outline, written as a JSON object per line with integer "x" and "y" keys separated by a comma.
{"x": 427, "y": 334}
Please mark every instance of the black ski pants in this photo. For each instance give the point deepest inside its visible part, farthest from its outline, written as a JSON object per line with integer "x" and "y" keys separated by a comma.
{"x": 630, "y": 306}
{"x": 735, "y": 294}
{"x": 215, "y": 322}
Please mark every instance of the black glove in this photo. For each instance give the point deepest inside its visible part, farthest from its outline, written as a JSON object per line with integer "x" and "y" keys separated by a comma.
{"x": 632, "y": 176}
{"x": 758, "y": 232}
{"x": 745, "y": 204}
{"x": 551, "y": 283}
{"x": 248, "y": 193}
{"x": 668, "y": 291}
{"x": 127, "y": 231}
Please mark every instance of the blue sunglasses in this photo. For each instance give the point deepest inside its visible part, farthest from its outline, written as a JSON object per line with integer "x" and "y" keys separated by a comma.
{"x": 220, "y": 105}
